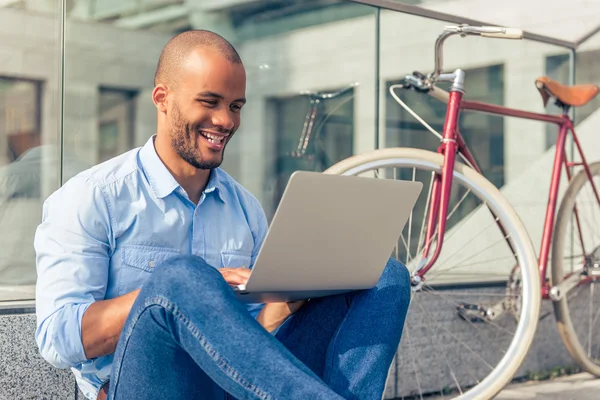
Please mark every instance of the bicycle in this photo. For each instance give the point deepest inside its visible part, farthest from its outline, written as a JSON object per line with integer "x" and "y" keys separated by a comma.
{"x": 498, "y": 310}
{"x": 309, "y": 154}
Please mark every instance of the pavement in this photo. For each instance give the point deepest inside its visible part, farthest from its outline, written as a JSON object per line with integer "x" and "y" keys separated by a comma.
{"x": 574, "y": 387}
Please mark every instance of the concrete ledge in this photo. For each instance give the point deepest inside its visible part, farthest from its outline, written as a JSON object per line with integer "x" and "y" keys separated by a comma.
{"x": 24, "y": 374}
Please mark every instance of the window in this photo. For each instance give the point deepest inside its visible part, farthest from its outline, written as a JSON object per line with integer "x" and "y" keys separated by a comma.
{"x": 20, "y": 185}
{"x": 326, "y": 126}
{"x": 587, "y": 70}
{"x": 116, "y": 120}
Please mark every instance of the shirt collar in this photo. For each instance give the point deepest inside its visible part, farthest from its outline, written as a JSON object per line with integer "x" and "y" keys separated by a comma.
{"x": 215, "y": 184}
{"x": 162, "y": 182}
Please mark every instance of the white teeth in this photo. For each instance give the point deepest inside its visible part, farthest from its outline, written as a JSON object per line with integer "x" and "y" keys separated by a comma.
{"x": 213, "y": 138}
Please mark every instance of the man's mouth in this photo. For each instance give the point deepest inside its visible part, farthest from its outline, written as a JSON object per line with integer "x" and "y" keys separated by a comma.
{"x": 212, "y": 138}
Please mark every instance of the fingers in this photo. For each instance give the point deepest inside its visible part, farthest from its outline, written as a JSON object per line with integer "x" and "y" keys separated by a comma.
{"x": 235, "y": 276}
{"x": 296, "y": 305}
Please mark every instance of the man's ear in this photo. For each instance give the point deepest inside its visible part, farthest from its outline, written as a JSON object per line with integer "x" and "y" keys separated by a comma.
{"x": 159, "y": 97}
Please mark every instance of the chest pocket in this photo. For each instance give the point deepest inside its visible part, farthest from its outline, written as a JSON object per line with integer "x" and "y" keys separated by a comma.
{"x": 236, "y": 259}
{"x": 146, "y": 258}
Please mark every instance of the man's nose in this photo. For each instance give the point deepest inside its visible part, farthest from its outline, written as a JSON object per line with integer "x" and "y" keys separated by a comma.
{"x": 224, "y": 120}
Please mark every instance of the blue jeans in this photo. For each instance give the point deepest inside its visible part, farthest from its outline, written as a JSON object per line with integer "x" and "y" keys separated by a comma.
{"x": 187, "y": 337}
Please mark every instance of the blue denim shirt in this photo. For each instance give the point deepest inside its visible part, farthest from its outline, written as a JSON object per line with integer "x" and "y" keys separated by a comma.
{"x": 103, "y": 233}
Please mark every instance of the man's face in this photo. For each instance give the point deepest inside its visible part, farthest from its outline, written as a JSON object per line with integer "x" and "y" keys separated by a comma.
{"x": 205, "y": 110}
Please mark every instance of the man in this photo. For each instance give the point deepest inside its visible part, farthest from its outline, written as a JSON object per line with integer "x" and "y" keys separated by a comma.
{"x": 136, "y": 258}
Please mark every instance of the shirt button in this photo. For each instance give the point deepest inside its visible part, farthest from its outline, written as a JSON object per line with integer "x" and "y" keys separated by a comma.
{"x": 151, "y": 264}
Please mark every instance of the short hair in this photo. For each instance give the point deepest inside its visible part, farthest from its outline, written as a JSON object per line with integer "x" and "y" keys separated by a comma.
{"x": 179, "y": 47}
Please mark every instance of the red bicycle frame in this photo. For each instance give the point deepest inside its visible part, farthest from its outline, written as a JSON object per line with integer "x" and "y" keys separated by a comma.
{"x": 453, "y": 142}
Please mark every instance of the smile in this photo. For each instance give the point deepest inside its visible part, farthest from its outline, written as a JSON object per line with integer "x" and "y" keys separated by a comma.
{"x": 216, "y": 139}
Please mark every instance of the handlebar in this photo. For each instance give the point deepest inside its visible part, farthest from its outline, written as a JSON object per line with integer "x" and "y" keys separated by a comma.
{"x": 329, "y": 95}
{"x": 426, "y": 84}
{"x": 465, "y": 30}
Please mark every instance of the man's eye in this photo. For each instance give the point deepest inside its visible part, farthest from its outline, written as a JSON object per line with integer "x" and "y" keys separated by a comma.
{"x": 235, "y": 107}
{"x": 211, "y": 103}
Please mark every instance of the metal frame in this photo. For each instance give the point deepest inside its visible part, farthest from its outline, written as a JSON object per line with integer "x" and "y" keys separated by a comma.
{"x": 431, "y": 14}
{"x": 453, "y": 144}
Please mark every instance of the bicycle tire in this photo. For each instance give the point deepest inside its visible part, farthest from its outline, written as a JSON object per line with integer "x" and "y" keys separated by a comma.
{"x": 565, "y": 325}
{"x": 527, "y": 325}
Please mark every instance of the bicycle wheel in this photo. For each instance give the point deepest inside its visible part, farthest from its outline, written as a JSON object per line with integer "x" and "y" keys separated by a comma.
{"x": 576, "y": 249}
{"x": 470, "y": 325}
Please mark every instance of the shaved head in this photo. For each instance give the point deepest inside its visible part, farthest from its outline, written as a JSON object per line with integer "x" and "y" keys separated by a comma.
{"x": 177, "y": 50}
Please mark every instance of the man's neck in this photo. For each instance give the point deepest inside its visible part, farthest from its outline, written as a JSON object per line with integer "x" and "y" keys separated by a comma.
{"x": 191, "y": 179}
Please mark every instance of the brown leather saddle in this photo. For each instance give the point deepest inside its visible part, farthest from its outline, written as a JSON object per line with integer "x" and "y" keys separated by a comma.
{"x": 566, "y": 96}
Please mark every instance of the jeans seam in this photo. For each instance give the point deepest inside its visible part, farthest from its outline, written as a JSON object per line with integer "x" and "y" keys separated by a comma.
{"x": 208, "y": 348}
{"x": 329, "y": 363}
{"x": 127, "y": 336}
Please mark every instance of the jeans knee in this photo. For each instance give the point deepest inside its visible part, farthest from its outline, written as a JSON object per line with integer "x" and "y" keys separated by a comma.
{"x": 187, "y": 274}
{"x": 395, "y": 274}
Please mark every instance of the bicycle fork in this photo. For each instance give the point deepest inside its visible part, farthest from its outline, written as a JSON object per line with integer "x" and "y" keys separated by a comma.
{"x": 452, "y": 142}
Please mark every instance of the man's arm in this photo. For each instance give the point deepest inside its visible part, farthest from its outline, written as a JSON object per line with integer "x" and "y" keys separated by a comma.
{"x": 73, "y": 246}
{"x": 274, "y": 314}
{"x": 103, "y": 322}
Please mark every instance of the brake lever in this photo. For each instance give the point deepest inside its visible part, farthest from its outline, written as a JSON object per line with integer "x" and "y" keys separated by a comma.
{"x": 416, "y": 81}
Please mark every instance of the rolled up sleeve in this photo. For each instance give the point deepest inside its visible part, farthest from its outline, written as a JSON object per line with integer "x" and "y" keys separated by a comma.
{"x": 72, "y": 246}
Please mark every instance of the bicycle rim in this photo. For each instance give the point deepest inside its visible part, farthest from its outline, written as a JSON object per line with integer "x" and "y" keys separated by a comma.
{"x": 578, "y": 313}
{"x": 442, "y": 353}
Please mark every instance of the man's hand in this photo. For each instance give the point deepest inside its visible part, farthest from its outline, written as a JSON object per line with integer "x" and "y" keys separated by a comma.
{"x": 235, "y": 276}
{"x": 274, "y": 314}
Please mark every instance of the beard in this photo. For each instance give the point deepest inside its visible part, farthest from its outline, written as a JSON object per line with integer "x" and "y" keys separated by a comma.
{"x": 184, "y": 140}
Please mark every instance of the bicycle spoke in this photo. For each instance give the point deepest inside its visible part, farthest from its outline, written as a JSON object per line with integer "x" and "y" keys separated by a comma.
{"x": 397, "y": 244}
{"x": 468, "y": 348}
{"x": 453, "y": 231}
{"x": 435, "y": 292}
{"x": 459, "y": 264}
{"x": 461, "y": 342}
{"x": 427, "y": 203}
{"x": 485, "y": 248}
{"x": 586, "y": 221}
{"x": 439, "y": 348}
{"x": 454, "y": 293}
{"x": 487, "y": 262}
{"x": 593, "y": 200}
{"x": 590, "y": 320}
{"x": 415, "y": 369}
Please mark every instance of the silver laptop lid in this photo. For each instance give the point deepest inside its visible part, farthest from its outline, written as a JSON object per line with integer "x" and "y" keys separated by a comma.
{"x": 332, "y": 232}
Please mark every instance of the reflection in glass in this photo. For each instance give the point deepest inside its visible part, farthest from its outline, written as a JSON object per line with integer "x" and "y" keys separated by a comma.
{"x": 20, "y": 181}
{"x": 483, "y": 133}
{"x": 316, "y": 131}
{"x": 115, "y": 122}
{"x": 586, "y": 71}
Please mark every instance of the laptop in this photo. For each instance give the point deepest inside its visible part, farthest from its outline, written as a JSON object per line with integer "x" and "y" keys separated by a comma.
{"x": 330, "y": 234}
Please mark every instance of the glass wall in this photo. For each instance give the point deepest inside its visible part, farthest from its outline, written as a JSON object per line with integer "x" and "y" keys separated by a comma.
{"x": 319, "y": 74}
{"x": 29, "y": 136}
{"x": 287, "y": 48}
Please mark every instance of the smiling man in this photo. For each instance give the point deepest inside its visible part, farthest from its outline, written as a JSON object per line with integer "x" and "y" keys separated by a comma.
{"x": 136, "y": 258}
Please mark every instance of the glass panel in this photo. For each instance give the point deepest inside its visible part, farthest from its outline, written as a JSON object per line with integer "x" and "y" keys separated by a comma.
{"x": 316, "y": 131}
{"x": 483, "y": 133}
{"x": 29, "y": 167}
{"x": 116, "y": 119}
{"x": 511, "y": 152}
{"x": 288, "y": 48}
{"x": 586, "y": 72}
